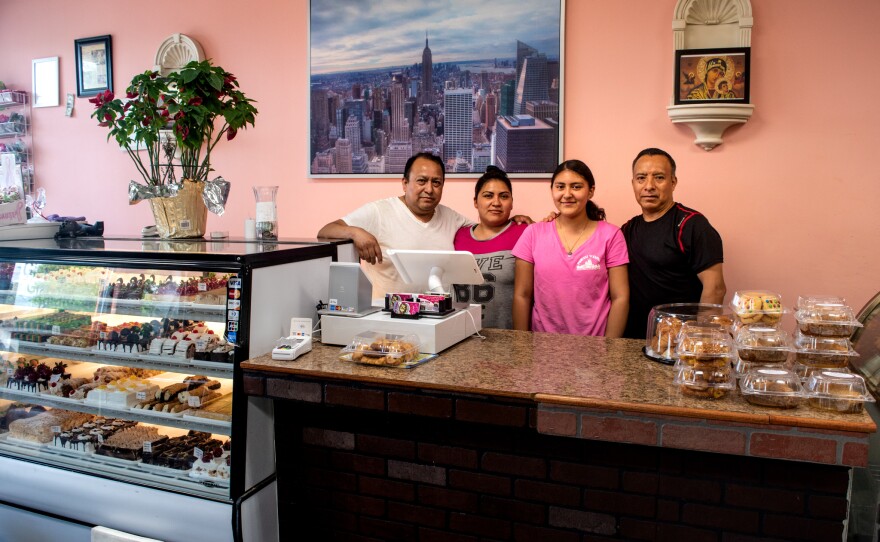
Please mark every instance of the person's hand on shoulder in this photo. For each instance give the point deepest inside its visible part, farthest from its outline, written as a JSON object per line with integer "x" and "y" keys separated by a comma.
{"x": 522, "y": 219}
{"x": 367, "y": 246}
{"x": 551, "y": 217}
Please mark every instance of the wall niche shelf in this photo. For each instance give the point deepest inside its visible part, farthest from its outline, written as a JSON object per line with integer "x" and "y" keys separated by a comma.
{"x": 703, "y": 24}
{"x": 710, "y": 121}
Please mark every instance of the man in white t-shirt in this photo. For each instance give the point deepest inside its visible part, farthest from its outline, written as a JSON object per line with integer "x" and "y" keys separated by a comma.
{"x": 413, "y": 221}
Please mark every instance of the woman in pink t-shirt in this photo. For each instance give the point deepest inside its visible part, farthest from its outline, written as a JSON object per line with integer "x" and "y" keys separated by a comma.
{"x": 491, "y": 241}
{"x": 571, "y": 272}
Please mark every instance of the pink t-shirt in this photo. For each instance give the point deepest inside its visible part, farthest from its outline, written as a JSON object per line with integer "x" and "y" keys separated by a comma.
{"x": 571, "y": 292}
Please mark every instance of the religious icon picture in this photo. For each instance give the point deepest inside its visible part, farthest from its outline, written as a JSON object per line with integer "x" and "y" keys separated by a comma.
{"x": 712, "y": 75}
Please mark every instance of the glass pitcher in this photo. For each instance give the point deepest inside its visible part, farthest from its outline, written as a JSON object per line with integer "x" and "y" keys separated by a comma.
{"x": 267, "y": 218}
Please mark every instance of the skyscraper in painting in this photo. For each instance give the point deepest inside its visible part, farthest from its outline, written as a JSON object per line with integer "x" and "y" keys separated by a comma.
{"x": 427, "y": 94}
{"x": 458, "y": 109}
{"x": 533, "y": 83}
{"x": 524, "y": 144}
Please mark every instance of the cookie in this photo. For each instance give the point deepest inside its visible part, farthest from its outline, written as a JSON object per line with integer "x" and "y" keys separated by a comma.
{"x": 748, "y": 309}
{"x": 772, "y": 308}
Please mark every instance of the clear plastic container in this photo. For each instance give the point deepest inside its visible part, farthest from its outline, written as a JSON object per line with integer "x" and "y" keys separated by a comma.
{"x": 806, "y": 371}
{"x": 704, "y": 383}
{"x": 837, "y": 391}
{"x": 757, "y": 306}
{"x": 761, "y": 345}
{"x": 379, "y": 348}
{"x": 741, "y": 367}
{"x": 827, "y": 352}
{"x": 706, "y": 348}
{"x": 808, "y": 301}
{"x": 665, "y": 323}
{"x": 827, "y": 320}
{"x": 777, "y": 388}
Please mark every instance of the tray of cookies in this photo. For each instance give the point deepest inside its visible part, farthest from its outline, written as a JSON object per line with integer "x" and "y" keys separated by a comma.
{"x": 827, "y": 320}
{"x": 772, "y": 387}
{"x": 757, "y": 306}
{"x": 665, "y": 323}
{"x": 763, "y": 345}
{"x": 837, "y": 391}
{"x": 383, "y": 349}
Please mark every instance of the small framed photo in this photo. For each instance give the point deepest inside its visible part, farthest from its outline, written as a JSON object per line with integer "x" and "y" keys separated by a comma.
{"x": 94, "y": 65}
{"x": 712, "y": 75}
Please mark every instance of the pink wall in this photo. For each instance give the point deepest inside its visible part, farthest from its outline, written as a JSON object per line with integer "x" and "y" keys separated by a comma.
{"x": 794, "y": 192}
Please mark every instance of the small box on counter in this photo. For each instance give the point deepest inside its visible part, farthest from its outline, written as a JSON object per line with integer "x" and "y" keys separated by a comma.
{"x": 433, "y": 304}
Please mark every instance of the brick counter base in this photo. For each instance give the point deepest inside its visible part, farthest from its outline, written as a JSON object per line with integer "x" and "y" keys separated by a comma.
{"x": 367, "y": 463}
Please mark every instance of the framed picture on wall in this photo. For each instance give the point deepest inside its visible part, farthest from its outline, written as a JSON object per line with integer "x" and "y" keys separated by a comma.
{"x": 94, "y": 65}
{"x": 712, "y": 75}
{"x": 392, "y": 78}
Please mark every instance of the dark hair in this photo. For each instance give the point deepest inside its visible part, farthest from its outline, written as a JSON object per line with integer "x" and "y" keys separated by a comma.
{"x": 492, "y": 174}
{"x": 655, "y": 152}
{"x": 594, "y": 212}
{"x": 427, "y": 156}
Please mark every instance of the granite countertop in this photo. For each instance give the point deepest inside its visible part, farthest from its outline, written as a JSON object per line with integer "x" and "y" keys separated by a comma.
{"x": 551, "y": 369}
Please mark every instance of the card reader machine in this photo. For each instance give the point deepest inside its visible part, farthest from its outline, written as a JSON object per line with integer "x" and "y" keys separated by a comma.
{"x": 297, "y": 343}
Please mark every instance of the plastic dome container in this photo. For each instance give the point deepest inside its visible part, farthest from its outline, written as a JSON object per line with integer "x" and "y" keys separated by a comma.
{"x": 777, "y": 388}
{"x": 809, "y": 301}
{"x": 758, "y": 344}
{"x": 706, "y": 348}
{"x": 837, "y": 391}
{"x": 704, "y": 383}
{"x": 804, "y": 372}
{"x": 665, "y": 323}
{"x": 827, "y": 320}
{"x": 757, "y": 307}
{"x": 378, "y": 348}
{"x": 827, "y": 352}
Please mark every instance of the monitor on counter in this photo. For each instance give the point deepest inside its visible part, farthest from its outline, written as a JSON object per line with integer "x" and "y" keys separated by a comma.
{"x": 350, "y": 291}
{"x": 438, "y": 268}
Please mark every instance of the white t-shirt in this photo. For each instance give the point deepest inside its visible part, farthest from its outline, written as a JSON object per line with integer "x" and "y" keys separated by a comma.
{"x": 394, "y": 226}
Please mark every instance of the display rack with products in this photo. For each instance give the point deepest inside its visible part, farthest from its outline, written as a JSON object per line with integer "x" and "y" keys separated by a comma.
{"x": 119, "y": 366}
{"x": 15, "y": 133}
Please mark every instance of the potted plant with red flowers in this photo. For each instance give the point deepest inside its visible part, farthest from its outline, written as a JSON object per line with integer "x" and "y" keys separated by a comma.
{"x": 170, "y": 125}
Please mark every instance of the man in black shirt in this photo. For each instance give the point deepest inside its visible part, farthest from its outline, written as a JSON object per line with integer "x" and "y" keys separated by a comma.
{"x": 675, "y": 255}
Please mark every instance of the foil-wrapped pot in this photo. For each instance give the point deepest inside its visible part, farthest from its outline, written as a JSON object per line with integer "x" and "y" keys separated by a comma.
{"x": 214, "y": 193}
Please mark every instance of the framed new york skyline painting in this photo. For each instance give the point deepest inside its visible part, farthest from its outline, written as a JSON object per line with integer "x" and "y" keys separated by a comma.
{"x": 474, "y": 83}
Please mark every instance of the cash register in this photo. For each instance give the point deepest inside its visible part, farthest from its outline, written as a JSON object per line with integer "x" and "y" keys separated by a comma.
{"x": 436, "y": 329}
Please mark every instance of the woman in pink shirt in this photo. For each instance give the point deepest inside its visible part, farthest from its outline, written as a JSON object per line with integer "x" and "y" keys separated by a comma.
{"x": 571, "y": 272}
{"x": 491, "y": 241}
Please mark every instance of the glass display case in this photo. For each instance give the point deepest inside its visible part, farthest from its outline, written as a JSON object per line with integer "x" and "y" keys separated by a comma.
{"x": 119, "y": 362}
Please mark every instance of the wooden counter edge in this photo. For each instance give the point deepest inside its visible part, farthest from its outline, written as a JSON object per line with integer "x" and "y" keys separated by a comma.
{"x": 734, "y": 417}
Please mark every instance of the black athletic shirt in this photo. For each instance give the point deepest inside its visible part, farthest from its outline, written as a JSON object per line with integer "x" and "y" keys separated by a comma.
{"x": 664, "y": 258}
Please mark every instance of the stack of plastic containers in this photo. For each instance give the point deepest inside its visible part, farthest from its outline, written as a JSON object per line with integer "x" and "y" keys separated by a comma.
{"x": 665, "y": 324}
{"x": 823, "y": 352}
{"x": 704, "y": 362}
{"x": 760, "y": 346}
